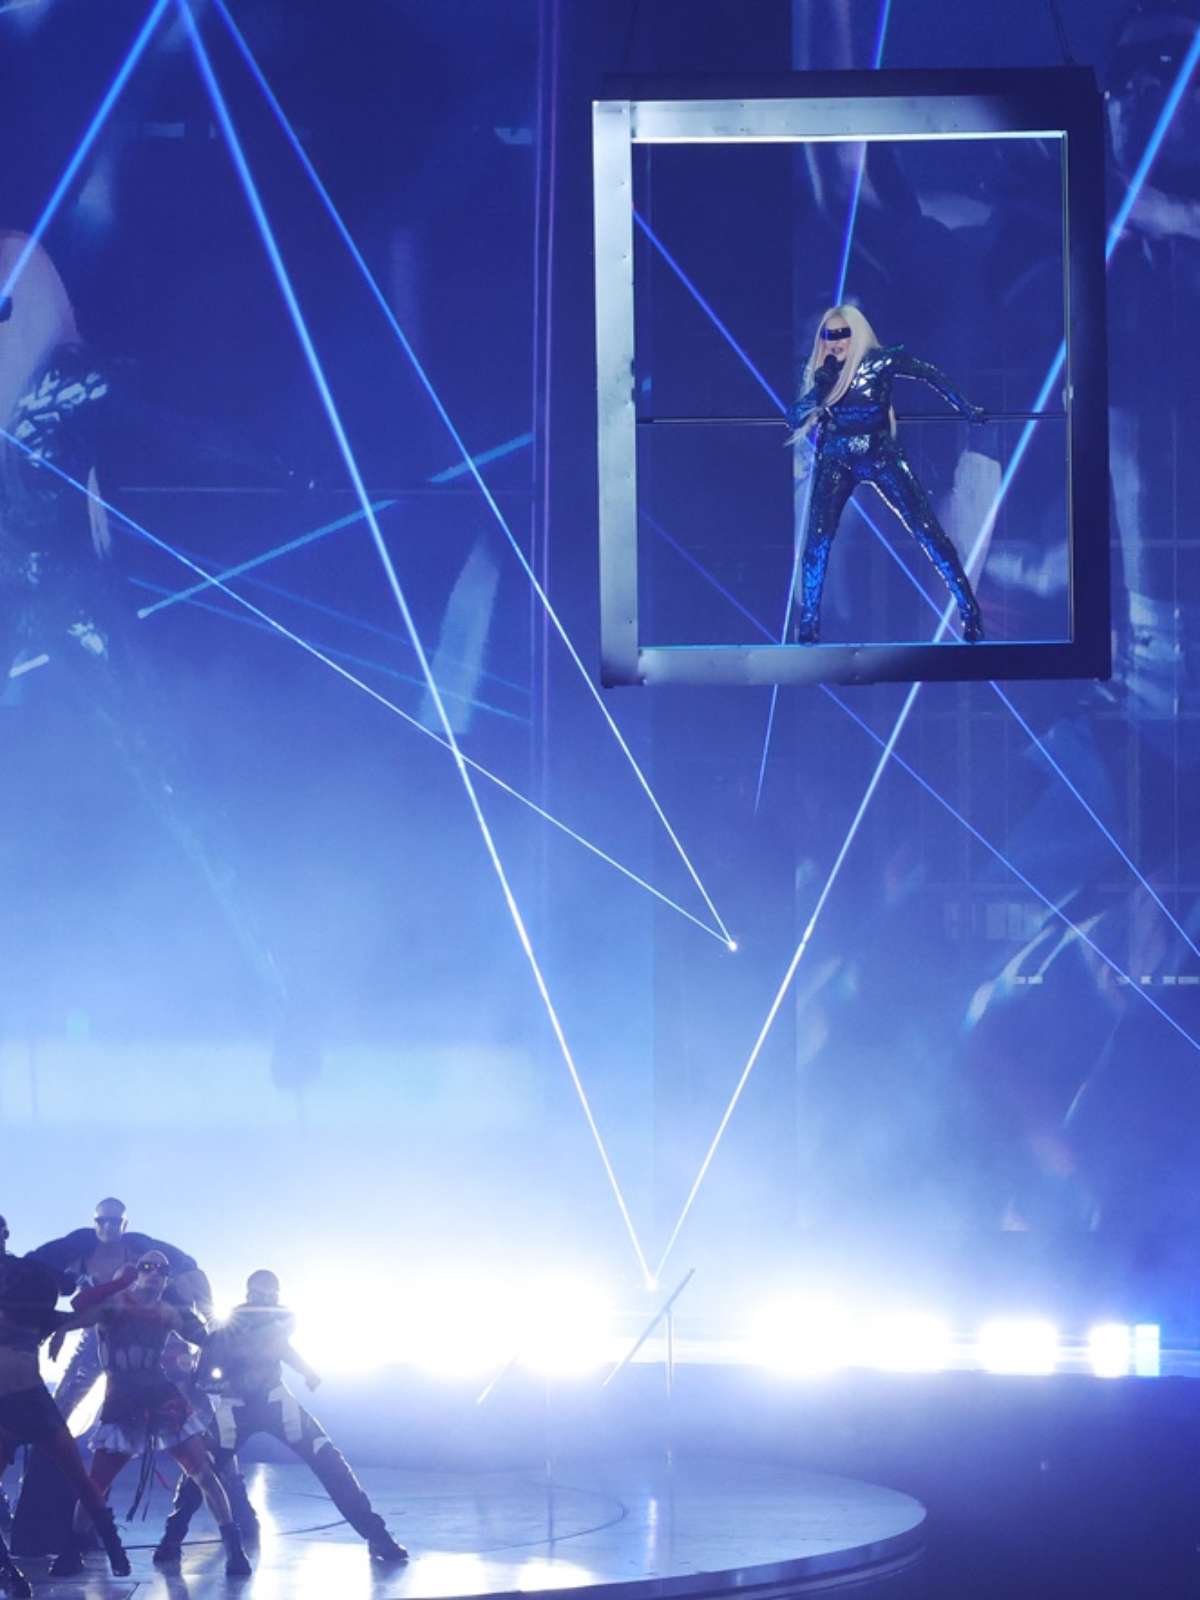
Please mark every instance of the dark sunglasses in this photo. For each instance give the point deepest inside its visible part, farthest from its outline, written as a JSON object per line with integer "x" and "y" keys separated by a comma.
{"x": 835, "y": 333}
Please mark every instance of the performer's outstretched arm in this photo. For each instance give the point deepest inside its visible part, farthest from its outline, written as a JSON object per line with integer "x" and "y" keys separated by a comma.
{"x": 907, "y": 366}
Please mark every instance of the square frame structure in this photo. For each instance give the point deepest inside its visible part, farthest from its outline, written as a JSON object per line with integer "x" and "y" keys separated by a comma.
{"x": 1059, "y": 103}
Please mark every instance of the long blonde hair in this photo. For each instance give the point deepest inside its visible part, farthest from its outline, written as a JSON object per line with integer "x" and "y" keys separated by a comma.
{"x": 863, "y": 340}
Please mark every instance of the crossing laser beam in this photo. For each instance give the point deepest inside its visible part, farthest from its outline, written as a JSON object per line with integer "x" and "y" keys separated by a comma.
{"x": 90, "y": 134}
{"x": 337, "y": 427}
{"x": 470, "y": 464}
{"x": 269, "y": 623}
{"x": 888, "y": 747}
{"x": 174, "y": 597}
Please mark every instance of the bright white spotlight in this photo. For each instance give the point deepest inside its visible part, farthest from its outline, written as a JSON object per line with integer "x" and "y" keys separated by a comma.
{"x": 330, "y": 1330}
{"x": 802, "y": 1336}
{"x": 564, "y": 1328}
{"x": 1110, "y": 1350}
{"x": 908, "y": 1342}
{"x": 460, "y": 1328}
{"x": 1026, "y": 1346}
{"x": 1146, "y": 1350}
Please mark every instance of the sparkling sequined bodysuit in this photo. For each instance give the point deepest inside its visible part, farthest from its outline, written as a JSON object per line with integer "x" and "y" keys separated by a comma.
{"x": 854, "y": 445}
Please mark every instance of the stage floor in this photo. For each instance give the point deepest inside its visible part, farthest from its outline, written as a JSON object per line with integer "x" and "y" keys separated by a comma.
{"x": 628, "y": 1529}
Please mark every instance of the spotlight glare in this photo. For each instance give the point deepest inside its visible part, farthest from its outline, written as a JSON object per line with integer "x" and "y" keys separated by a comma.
{"x": 1110, "y": 1350}
{"x": 564, "y": 1328}
{"x": 1146, "y": 1350}
{"x": 908, "y": 1342}
{"x": 801, "y": 1336}
{"x": 460, "y": 1328}
{"x": 1026, "y": 1346}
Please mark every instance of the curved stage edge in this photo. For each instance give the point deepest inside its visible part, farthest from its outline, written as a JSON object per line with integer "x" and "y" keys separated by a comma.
{"x": 616, "y": 1530}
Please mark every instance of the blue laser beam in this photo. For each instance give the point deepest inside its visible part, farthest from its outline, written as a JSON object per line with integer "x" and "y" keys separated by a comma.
{"x": 173, "y": 597}
{"x": 1041, "y": 747}
{"x": 350, "y": 620}
{"x": 885, "y": 12}
{"x": 498, "y": 451}
{"x": 279, "y": 268}
{"x": 721, "y": 327}
{"x": 265, "y": 620}
{"x": 343, "y": 655}
{"x": 90, "y": 134}
{"x": 889, "y": 754}
{"x": 1153, "y": 145}
{"x": 797, "y": 956}
{"x": 888, "y": 745}
{"x": 393, "y": 322}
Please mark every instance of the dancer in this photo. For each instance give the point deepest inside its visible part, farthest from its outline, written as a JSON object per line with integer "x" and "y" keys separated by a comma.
{"x": 848, "y": 407}
{"x": 143, "y": 1409}
{"x": 98, "y": 1255}
{"x": 241, "y": 1367}
{"x": 28, "y": 1415}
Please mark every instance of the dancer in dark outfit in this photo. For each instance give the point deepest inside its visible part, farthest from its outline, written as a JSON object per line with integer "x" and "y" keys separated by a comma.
{"x": 240, "y": 1366}
{"x": 848, "y": 407}
{"x": 28, "y": 1415}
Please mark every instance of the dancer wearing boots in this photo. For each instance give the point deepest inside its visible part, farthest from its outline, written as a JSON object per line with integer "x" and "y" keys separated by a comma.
{"x": 847, "y": 411}
{"x": 241, "y": 1367}
{"x": 28, "y": 1414}
{"x": 142, "y": 1409}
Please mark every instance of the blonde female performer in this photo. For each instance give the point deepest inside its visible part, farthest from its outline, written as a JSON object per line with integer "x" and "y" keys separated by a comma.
{"x": 847, "y": 408}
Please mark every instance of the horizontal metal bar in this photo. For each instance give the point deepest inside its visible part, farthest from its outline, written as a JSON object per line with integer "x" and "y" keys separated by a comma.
{"x": 297, "y": 492}
{"x": 901, "y": 416}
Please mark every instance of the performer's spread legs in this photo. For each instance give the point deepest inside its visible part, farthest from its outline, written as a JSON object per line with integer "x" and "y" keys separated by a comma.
{"x": 900, "y": 487}
{"x": 282, "y": 1418}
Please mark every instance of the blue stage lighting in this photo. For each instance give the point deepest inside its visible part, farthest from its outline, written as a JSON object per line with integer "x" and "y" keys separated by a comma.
{"x": 1043, "y": 750}
{"x": 341, "y": 655}
{"x": 885, "y": 12}
{"x": 462, "y": 468}
{"x": 469, "y": 462}
{"x": 270, "y": 245}
{"x": 90, "y": 135}
{"x": 888, "y": 747}
{"x": 1153, "y": 145}
{"x": 275, "y": 626}
{"x": 267, "y": 555}
{"x": 738, "y": 350}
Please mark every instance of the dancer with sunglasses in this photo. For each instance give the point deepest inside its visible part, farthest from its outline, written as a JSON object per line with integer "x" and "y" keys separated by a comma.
{"x": 847, "y": 410}
{"x": 143, "y": 1410}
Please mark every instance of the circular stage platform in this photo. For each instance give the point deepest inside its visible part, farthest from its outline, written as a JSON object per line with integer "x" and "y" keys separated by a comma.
{"x": 627, "y": 1529}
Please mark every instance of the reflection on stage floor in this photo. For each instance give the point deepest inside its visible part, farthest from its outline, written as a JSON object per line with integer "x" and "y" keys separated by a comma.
{"x": 633, "y": 1529}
